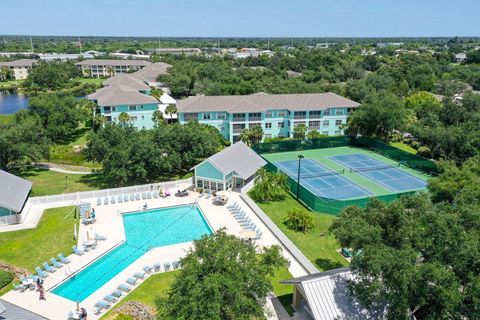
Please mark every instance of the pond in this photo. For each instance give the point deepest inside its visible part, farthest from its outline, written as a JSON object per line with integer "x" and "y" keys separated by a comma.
{"x": 11, "y": 101}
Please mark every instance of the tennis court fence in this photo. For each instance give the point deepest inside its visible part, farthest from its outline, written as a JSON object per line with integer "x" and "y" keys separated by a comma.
{"x": 413, "y": 161}
{"x": 326, "y": 205}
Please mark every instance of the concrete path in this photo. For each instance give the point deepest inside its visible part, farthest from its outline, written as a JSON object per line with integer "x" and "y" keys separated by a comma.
{"x": 63, "y": 168}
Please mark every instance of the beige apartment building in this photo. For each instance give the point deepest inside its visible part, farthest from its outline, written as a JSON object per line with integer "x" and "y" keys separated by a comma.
{"x": 19, "y": 68}
{"x": 101, "y": 68}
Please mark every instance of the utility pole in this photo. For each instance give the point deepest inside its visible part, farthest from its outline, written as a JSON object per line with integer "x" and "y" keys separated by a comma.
{"x": 80, "y": 42}
{"x": 31, "y": 44}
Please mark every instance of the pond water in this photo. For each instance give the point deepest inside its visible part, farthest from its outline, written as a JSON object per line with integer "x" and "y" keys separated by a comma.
{"x": 11, "y": 101}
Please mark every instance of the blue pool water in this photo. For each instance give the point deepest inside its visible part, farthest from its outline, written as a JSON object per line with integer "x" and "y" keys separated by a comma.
{"x": 144, "y": 230}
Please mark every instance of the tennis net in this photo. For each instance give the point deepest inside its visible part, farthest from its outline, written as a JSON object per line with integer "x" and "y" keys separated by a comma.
{"x": 315, "y": 174}
{"x": 387, "y": 166}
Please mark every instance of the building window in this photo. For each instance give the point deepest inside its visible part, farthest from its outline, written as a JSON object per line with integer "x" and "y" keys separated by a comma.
{"x": 108, "y": 118}
{"x": 239, "y": 117}
{"x": 107, "y": 109}
{"x": 326, "y": 112}
{"x": 300, "y": 115}
{"x": 325, "y": 133}
{"x": 281, "y": 124}
{"x": 238, "y": 128}
{"x": 219, "y": 186}
{"x": 326, "y": 123}
{"x": 315, "y": 114}
{"x": 206, "y": 116}
{"x": 132, "y": 108}
{"x": 199, "y": 183}
{"x": 282, "y": 114}
{"x": 268, "y": 136}
{"x": 314, "y": 125}
{"x": 222, "y": 116}
{"x": 143, "y": 117}
{"x": 133, "y": 118}
{"x": 339, "y": 112}
{"x": 338, "y": 132}
{"x": 255, "y": 116}
{"x": 268, "y": 125}
{"x": 268, "y": 114}
{"x": 114, "y": 109}
{"x": 190, "y": 116}
{"x": 338, "y": 122}
{"x": 253, "y": 125}
{"x": 296, "y": 124}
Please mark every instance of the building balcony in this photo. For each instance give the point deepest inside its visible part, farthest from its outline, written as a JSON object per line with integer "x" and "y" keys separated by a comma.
{"x": 236, "y": 131}
{"x": 255, "y": 119}
{"x": 239, "y": 119}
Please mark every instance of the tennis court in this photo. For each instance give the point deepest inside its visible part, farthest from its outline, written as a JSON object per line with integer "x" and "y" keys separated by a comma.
{"x": 386, "y": 175}
{"x": 322, "y": 181}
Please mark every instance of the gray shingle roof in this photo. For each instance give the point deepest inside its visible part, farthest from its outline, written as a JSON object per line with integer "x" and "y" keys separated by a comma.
{"x": 13, "y": 191}
{"x": 328, "y": 296}
{"x": 239, "y": 158}
{"x": 113, "y": 62}
{"x": 19, "y": 63}
{"x": 152, "y": 71}
{"x": 127, "y": 80}
{"x": 13, "y": 312}
{"x": 117, "y": 94}
{"x": 259, "y": 102}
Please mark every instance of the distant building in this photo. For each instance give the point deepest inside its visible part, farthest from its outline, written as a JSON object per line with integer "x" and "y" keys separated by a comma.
{"x": 64, "y": 56}
{"x": 150, "y": 73}
{"x": 389, "y": 44}
{"x": 14, "y": 192}
{"x": 20, "y": 68}
{"x": 276, "y": 114}
{"x": 177, "y": 51}
{"x": 137, "y": 56}
{"x": 325, "y": 296}
{"x": 460, "y": 57}
{"x": 101, "y": 68}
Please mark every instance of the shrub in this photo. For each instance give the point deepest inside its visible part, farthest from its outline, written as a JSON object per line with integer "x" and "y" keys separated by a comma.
{"x": 424, "y": 152}
{"x": 415, "y": 145}
{"x": 299, "y": 220}
{"x": 5, "y": 278}
{"x": 123, "y": 317}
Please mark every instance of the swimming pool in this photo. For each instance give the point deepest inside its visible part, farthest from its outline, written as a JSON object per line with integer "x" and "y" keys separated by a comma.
{"x": 143, "y": 230}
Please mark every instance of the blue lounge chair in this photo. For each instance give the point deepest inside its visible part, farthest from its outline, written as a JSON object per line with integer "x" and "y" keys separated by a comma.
{"x": 112, "y": 200}
{"x": 147, "y": 269}
{"x": 132, "y": 281}
{"x": 166, "y": 266}
{"x": 55, "y": 263}
{"x": 157, "y": 267}
{"x": 149, "y": 195}
{"x": 176, "y": 264}
{"x": 110, "y": 298}
{"x": 139, "y": 275}
{"x": 77, "y": 251}
{"x": 99, "y": 201}
{"x": 144, "y": 195}
{"x": 100, "y": 305}
{"x": 155, "y": 194}
{"x": 132, "y": 197}
{"x": 137, "y": 196}
{"x": 117, "y": 293}
{"x": 125, "y": 198}
{"x": 63, "y": 259}
{"x": 207, "y": 196}
{"x": 105, "y": 201}
{"x": 120, "y": 199}
{"x": 19, "y": 287}
{"x": 41, "y": 273}
{"x": 124, "y": 288}
{"x": 49, "y": 268}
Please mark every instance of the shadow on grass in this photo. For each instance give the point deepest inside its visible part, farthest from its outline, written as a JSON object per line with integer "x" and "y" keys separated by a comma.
{"x": 326, "y": 264}
{"x": 74, "y": 136}
{"x": 286, "y": 300}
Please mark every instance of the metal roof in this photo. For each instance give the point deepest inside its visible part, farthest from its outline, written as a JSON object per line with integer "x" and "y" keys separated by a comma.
{"x": 328, "y": 296}
{"x": 127, "y": 80}
{"x": 117, "y": 94}
{"x": 259, "y": 102}
{"x": 237, "y": 158}
{"x": 113, "y": 62}
{"x": 13, "y": 191}
{"x": 19, "y": 63}
{"x": 13, "y": 312}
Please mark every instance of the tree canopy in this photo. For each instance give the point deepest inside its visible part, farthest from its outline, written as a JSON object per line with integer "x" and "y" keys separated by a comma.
{"x": 222, "y": 277}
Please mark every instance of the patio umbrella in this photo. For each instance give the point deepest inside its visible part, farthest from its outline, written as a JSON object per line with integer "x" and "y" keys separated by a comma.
{"x": 75, "y": 231}
{"x": 247, "y": 234}
{"x": 88, "y": 234}
{"x": 222, "y": 193}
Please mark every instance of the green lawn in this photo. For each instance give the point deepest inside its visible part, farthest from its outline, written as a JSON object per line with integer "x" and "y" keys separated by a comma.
{"x": 318, "y": 245}
{"x": 30, "y": 248}
{"x": 46, "y": 182}
{"x": 5, "y": 118}
{"x": 10, "y": 84}
{"x": 284, "y": 292}
{"x": 90, "y": 80}
{"x": 404, "y": 147}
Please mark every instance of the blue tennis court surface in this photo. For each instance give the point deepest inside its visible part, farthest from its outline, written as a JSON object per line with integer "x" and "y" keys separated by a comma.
{"x": 390, "y": 177}
{"x": 327, "y": 184}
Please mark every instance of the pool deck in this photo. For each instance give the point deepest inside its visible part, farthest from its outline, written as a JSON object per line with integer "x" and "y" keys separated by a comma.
{"x": 110, "y": 224}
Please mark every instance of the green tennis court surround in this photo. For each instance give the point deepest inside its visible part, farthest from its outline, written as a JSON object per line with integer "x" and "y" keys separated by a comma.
{"x": 359, "y": 164}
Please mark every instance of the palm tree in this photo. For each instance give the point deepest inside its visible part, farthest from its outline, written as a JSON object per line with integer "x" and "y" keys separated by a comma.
{"x": 156, "y": 93}
{"x": 157, "y": 117}
{"x": 171, "y": 110}
{"x": 124, "y": 118}
{"x": 269, "y": 184}
{"x": 256, "y": 135}
{"x": 314, "y": 134}
{"x": 299, "y": 131}
{"x": 245, "y": 136}
{"x": 98, "y": 121}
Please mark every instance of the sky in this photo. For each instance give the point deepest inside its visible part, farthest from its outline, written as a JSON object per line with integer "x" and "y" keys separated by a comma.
{"x": 241, "y": 18}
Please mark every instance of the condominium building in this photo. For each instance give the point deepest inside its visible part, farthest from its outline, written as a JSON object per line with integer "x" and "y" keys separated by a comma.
{"x": 100, "y": 68}
{"x": 276, "y": 114}
{"x": 19, "y": 68}
{"x": 126, "y": 93}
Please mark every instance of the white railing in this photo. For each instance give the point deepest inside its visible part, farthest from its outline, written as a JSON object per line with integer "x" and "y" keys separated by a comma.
{"x": 78, "y": 196}
{"x": 248, "y": 186}
{"x": 11, "y": 219}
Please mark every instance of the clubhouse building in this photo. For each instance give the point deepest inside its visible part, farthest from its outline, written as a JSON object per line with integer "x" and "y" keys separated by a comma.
{"x": 19, "y": 68}
{"x": 276, "y": 114}
{"x": 14, "y": 192}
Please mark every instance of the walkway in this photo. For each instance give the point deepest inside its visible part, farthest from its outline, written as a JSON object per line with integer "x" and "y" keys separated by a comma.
{"x": 63, "y": 168}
